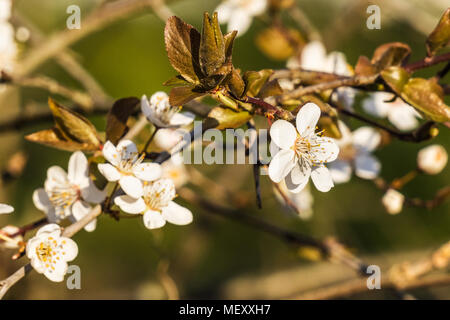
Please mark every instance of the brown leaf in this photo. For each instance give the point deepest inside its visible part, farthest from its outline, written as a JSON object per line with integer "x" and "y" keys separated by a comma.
{"x": 440, "y": 37}
{"x": 270, "y": 89}
{"x": 390, "y": 54}
{"x": 54, "y": 138}
{"x": 116, "y": 121}
{"x": 364, "y": 67}
{"x": 254, "y": 81}
{"x": 182, "y": 95}
{"x": 212, "y": 45}
{"x": 229, "y": 41}
{"x": 182, "y": 46}
{"x": 235, "y": 83}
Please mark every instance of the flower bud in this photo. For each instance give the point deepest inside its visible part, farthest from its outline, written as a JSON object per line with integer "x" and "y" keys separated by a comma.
{"x": 393, "y": 201}
{"x": 432, "y": 159}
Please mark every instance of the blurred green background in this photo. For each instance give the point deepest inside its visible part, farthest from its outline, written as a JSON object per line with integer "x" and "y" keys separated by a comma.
{"x": 215, "y": 257}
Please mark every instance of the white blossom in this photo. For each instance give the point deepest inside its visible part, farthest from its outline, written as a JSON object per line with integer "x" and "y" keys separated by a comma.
{"x": 393, "y": 201}
{"x": 239, "y": 13}
{"x": 314, "y": 57}
{"x": 159, "y": 111}
{"x": 355, "y": 153}
{"x": 8, "y": 47}
{"x": 14, "y": 241}
{"x": 156, "y": 205}
{"x": 5, "y": 10}
{"x": 49, "y": 252}
{"x": 432, "y": 159}
{"x": 175, "y": 170}
{"x": 399, "y": 113}
{"x": 126, "y": 166}
{"x": 303, "y": 152}
{"x": 68, "y": 194}
{"x": 4, "y": 208}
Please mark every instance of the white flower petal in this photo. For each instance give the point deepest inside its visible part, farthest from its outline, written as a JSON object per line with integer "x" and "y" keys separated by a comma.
{"x": 56, "y": 177}
{"x": 176, "y": 214}
{"x": 92, "y": 194}
{"x": 313, "y": 56}
{"x": 366, "y": 138}
{"x": 127, "y": 149}
{"x": 299, "y": 174}
{"x": 224, "y": 11}
{"x": 403, "y": 117}
{"x": 78, "y": 170}
{"x": 110, "y": 153}
{"x": 240, "y": 20}
{"x": 49, "y": 230}
{"x": 341, "y": 171}
{"x": 281, "y": 164}
{"x": 80, "y": 209}
{"x": 147, "y": 171}
{"x": 41, "y": 200}
{"x": 367, "y": 166}
{"x": 182, "y": 119}
{"x": 69, "y": 248}
{"x": 153, "y": 220}
{"x": 109, "y": 172}
{"x": 292, "y": 187}
{"x": 325, "y": 150}
{"x": 337, "y": 63}
{"x": 57, "y": 275}
{"x": 4, "y": 208}
{"x": 146, "y": 108}
{"x": 321, "y": 177}
{"x": 375, "y": 104}
{"x": 132, "y": 186}
{"x": 130, "y": 205}
{"x": 307, "y": 119}
{"x": 256, "y": 7}
{"x": 283, "y": 134}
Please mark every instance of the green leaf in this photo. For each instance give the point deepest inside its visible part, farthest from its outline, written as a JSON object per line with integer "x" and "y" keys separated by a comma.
{"x": 182, "y": 45}
{"x": 116, "y": 121}
{"x": 182, "y": 95}
{"x": 229, "y": 41}
{"x": 390, "y": 54}
{"x": 254, "y": 81}
{"x": 396, "y": 78}
{"x": 440, "y": 37}
{"x": 426, "y": 96}
{"x": 55, "y": 138}
{"x": 270, "y": 89}
{"x": 228, "y": 118}
{"x": 73, "y": 125}
{"x": 212, "y": 45}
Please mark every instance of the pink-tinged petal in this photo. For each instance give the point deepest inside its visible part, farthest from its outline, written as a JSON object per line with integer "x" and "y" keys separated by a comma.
{"x": 132, "y": 186}
{"x": 147, "y": 171}
{"x": 366, "y": 138}
{"x": 5, "y": 209}
{"x": 341, "y": 171}
{"x": 49, "y": 230}
{"x": 283, "y": 134}
{"x": 127, "y": 149}
{"x": 109, "y": 172}
{"x": 176, "y": 214}
{"x": 367, "y": 166}
{"x": 281, "y": 165}
{"x": 110, "y": 153}
{"x": 325, "y": 150}
{"x": 307, "y": 119}
{"x": 321, "y": 177}
{"x": 78, "y": 170}
{"x": 153, "y": 220}
{"x": 130, "y": 205}
{"x": 92, "y": 194}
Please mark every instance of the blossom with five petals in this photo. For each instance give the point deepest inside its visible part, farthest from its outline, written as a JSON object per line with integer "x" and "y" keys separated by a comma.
{"x": 126, "y": 166}
{"x": 49, "y": 252}
{"x": 303, "y": 152}
{"x": 69, "y": 194}
{"x": 156, "y": 205}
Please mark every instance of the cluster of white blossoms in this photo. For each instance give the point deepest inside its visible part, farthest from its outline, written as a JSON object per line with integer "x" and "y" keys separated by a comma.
{"x": 67, "y": 195}
{"x": 355, "y": 154}
{"x": 300, "y": 153}
{"x": 314, "y": 57}
{"x": 238, "y": 14}
{"x": 49, "y": 252}
{"x": 398, "y": 112}
{"x": 8, "y": 47}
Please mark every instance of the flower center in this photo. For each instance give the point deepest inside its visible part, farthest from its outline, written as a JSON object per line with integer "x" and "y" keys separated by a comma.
{"x": 63, "y": 197}
{"x": 158, "y": 195}
{"x": 128, "y": 162}
{"x": 49, "y": 251}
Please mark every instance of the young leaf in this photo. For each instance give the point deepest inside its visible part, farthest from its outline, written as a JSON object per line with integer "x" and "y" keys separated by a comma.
{"x": 182, "y": 46}
{"x": 254, "y": 81}
{"x": 54, "y": 138}
{"x": 116, "y": 122}
{"x": 228, "y": 118}
{"x": 229, "y": 41}
{"x": 212, "y": 45}
{"x": 73, "y": 125}
{"x": 235, "y": 83}
{"x": 177, "y": 81}
{"x": 181, "y": 95}
{"x": 440, "y": 37}
{"x": 396, "y": 78}
{"x": 390, "y": 54}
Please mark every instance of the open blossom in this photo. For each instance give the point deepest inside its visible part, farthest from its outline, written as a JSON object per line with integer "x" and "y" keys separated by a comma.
{"x": 126, "y": 166}
{"x": 68, "y": 194}
{"x": 393, "y": 201}
{"x": 303, "y": 201}
{"x": 314, "y": 57}
{"x": 4, "y": 208}
{"x": 303, "y": 152}
{"x": 398, "y": 112}
{"x": 355, "y": 152}
{"x": 159, "y": 111}
{"x": 156, "y": 205}
{"x": 239, "y": 13}
{"x": 49, "y": 252}
{"x": 432, "y": 159}
{"x": 175, "y": 170}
